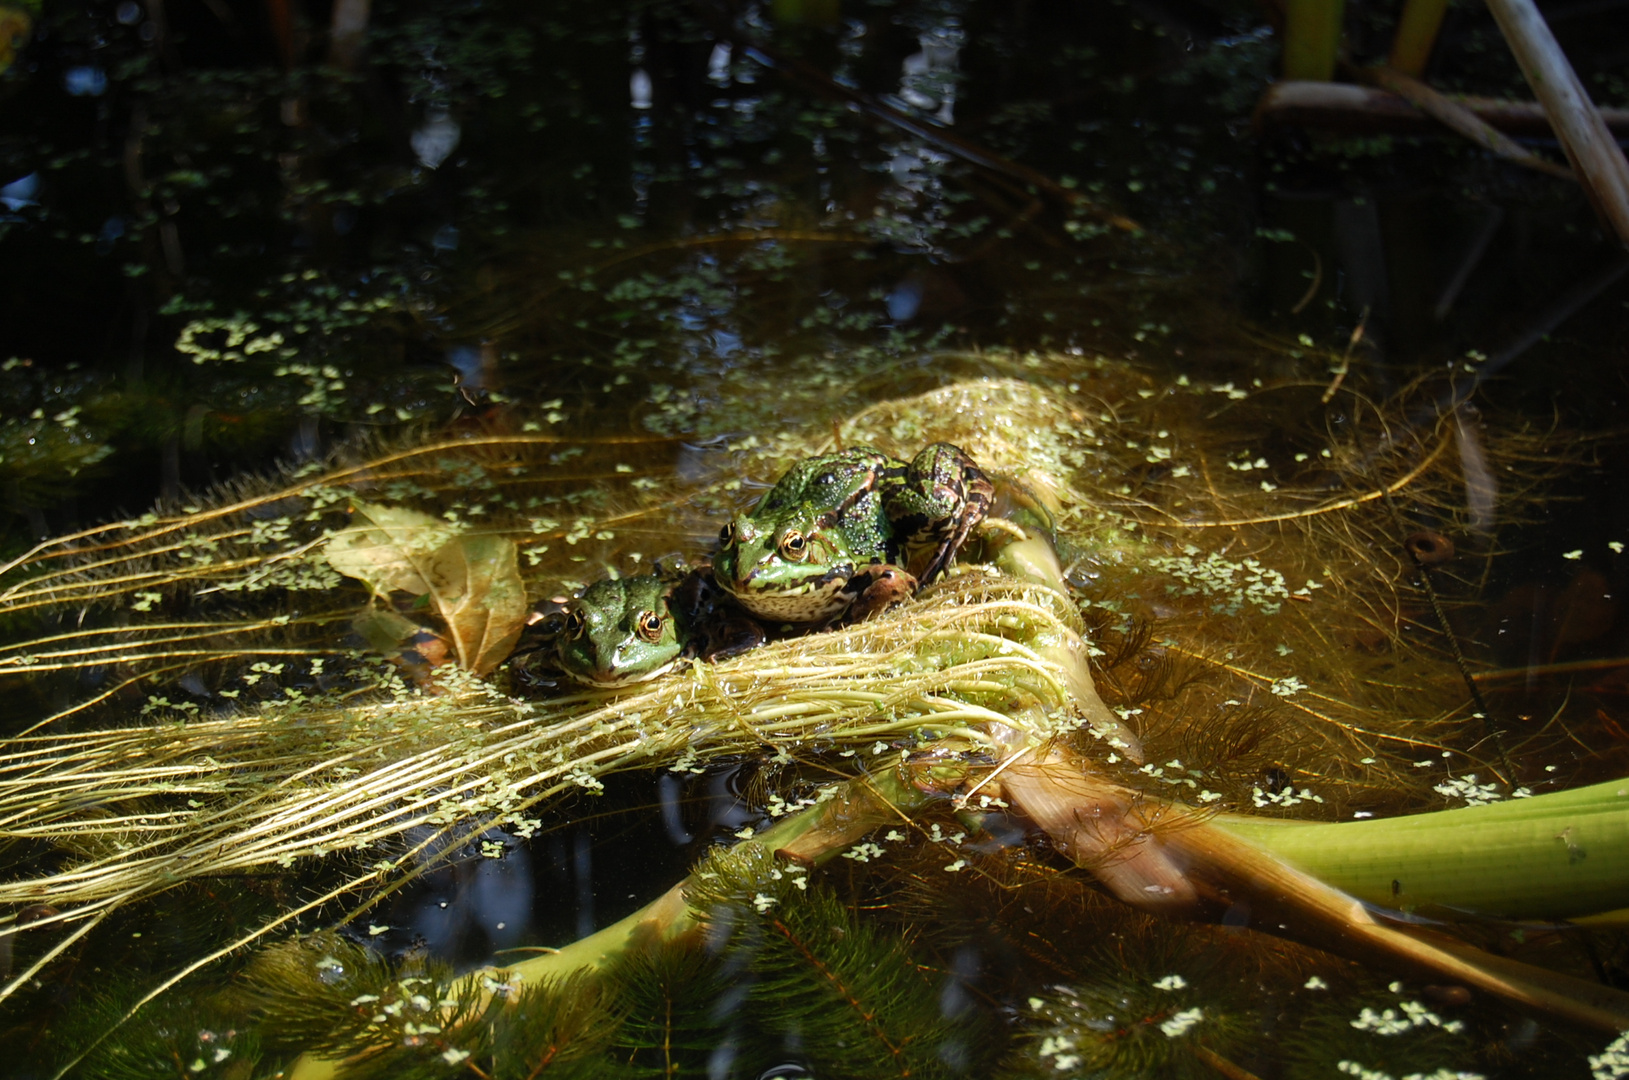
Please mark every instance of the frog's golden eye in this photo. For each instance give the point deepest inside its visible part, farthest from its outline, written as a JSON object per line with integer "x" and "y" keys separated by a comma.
{"x": 648, "y": 625}
{"x": 793, "y": 546}
{"x": 727, "y": 533}
{"x": 575, "y": 623}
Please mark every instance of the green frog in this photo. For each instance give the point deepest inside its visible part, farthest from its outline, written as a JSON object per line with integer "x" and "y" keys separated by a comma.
{"x": 842, "y": 535}
{"x": 625, "y": 631}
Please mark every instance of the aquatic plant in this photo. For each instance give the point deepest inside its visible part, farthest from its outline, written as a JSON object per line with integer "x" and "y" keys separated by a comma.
{"x": 1226, "y": 676}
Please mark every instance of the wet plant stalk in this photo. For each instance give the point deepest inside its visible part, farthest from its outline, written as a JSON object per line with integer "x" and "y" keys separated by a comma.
{"x": 1416, "y": 35}
{"x": 1584, "y": 136}
{"x": 1553, "y": 856}
{"x": 1312, "y": 35}
{"x": 1167, "y": 858}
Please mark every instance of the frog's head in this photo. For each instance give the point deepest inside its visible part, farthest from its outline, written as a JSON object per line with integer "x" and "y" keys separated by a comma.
{"x": 785, "y": 567}
{"x": 617, "y": 632}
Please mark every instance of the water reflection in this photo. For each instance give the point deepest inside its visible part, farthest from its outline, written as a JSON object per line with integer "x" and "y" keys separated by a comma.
{"x": 478, "y": 907}
{"x": 639, "y": 89}
{"x": 20, "y": 192}
{"x": 85, "y": 80}
{"x": 931, "y": 74}
{"x": 435, "y": 139}
{"x": 718, "y": 64}
{"x": 760, "y": 258}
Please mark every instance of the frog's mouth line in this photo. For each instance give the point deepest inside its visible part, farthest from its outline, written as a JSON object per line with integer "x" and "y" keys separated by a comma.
{"x": 626, "y": 680}
{"x": 808, "y": 601}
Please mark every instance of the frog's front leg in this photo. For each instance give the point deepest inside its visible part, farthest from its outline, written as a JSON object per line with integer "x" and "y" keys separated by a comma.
{"x": 878, "y": 588}
{"x": 943, "y": 496}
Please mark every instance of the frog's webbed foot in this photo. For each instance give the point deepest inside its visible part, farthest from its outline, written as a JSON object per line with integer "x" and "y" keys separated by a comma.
{"x": 944, "y": 496}
{"x": 880, "y": 587}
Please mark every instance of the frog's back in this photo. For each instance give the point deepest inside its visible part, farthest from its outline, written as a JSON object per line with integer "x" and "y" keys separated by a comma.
{"x": 830, "y": 482}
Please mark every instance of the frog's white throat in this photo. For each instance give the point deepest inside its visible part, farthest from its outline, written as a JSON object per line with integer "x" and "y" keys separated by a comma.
{"x": 614, "y": 679}
{"x": 813, "y": 601}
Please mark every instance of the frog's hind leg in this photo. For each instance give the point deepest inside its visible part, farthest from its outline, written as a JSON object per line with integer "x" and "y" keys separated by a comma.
{"x": 944, "y": 497}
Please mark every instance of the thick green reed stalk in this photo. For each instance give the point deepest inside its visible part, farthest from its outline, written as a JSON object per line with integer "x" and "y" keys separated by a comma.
{"x": 1555, "y": 856}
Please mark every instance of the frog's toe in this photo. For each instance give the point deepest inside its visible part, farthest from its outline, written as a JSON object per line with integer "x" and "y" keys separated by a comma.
{"x": 886, "y": 586}
{"x": 950, "y": 542}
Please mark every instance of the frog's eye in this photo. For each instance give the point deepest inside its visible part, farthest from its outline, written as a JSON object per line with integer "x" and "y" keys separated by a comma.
{"x": 793, "y": 546}
{"x": 649, "y": 625}
{"x": 575, "y": 623}
{"x": 727, "y": 533}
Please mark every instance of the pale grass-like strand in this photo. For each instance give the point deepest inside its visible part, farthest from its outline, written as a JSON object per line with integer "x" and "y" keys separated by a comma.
{"x": 271, "y": 794}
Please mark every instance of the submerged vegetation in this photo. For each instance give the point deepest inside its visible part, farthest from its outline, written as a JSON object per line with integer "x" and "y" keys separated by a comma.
{"x": 1270, "y": 727}
{"x": 1254, "y": 652}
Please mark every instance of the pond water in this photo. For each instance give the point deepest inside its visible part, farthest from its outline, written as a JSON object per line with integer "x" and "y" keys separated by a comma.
{"x": 1325, "y": 431}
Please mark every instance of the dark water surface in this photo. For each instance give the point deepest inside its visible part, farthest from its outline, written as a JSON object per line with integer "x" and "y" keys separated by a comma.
{"x": 689, "y": 241}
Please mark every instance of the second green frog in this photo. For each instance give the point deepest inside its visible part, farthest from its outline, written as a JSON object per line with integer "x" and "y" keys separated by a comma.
{"x": 838, "y": 534}
{"x": 623, "y": 631}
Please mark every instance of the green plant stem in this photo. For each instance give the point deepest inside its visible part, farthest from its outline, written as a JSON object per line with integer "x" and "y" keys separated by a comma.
{"x": 1163, "y": 857}
{"x": 1416, "y": 35}
{"x": 1234, "y": 869}
{"x": 1312, "y": 36}
{"x": 1552, "y": 856}
{"x": 1458, "y": 858}
{"x": 811, "y": 836}
{"x": 1035, "y": 560}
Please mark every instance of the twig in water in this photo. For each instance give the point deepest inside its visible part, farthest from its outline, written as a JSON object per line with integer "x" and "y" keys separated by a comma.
{"x": 1346, "y": 358}
{"x": 1317, "y": 280}
{"x": 1424, "y": 553}
{"x": 1589, "y": 145}
{"x": 1462, "y": 120}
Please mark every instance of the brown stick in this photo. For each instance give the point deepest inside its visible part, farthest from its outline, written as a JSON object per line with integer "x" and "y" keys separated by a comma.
{"x": 1594, "y": 154}
{"x": 1457, "y": 117}
{"x": 1362, "y": 108}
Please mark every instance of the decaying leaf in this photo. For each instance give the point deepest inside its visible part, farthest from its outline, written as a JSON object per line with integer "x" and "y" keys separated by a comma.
{"x": 384, "y": 630}
{"x": 388, "y": 547}
{"x": 472, "y": 582}
{"x": 476, "y": 588}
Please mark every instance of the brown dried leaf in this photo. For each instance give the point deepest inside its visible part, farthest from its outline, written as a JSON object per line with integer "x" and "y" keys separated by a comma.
{"x": 474, "y": 583}
{"x": 388, "y": 547}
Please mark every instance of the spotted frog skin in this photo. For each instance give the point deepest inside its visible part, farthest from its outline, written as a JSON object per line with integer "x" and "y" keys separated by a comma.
{"x": 839, "y": 527}
{"x": 625, "y": 631}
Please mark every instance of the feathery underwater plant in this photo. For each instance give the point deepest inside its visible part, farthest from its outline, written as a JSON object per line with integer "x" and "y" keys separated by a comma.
{"x": 1239, "y": 676}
